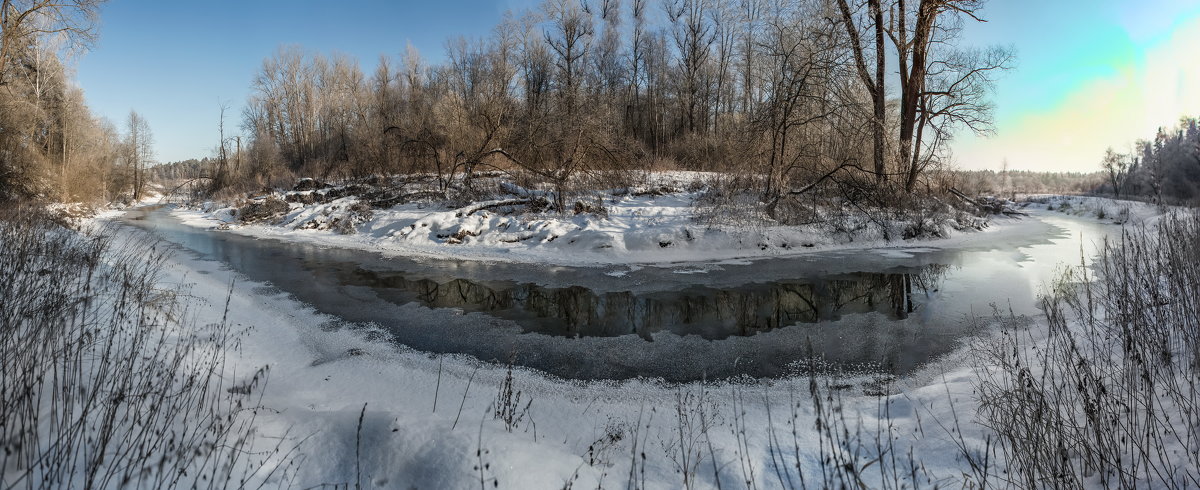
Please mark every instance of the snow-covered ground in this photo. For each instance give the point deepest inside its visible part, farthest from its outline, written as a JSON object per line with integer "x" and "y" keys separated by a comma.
{"x": 586, "y": 434}
{"x": 645, "y": 227}
{"x": 592, "y": 434}
{"x": 431, "y": 421}
{"x": 1102, "y": 208}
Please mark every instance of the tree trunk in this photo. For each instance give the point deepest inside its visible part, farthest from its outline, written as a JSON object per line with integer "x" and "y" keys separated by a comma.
{"x": 878, "y": 96}
{"x": 913, "y": 84}
{"x": 875, "y": 87}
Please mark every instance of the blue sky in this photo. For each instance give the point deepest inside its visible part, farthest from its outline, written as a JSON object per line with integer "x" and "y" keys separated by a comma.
{"x": 175, "y": 61}
{"x": 1089, "y": 73}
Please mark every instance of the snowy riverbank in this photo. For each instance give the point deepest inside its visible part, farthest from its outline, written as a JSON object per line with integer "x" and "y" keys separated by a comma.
{"x": 664, "y": 222}
{"x": 430, "y": 421}
{"x": 358, "y": 409}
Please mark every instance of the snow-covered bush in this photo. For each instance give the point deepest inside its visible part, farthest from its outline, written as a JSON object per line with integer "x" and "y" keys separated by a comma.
{"x": 342, "y": 216}
{"x": 262, "y": 209}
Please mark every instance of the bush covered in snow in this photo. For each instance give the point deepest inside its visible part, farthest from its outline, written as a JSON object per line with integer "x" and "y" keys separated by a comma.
{"x": 655, "y": 216}
{"x": 261, "y": 210}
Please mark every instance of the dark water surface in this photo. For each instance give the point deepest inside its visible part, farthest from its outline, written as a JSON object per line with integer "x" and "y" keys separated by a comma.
{"x": 889, "y": 310}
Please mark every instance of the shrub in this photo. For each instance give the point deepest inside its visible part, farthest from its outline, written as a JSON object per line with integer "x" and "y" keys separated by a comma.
{"x": 1110, "y": 397}
{"x": 105, "y": 381}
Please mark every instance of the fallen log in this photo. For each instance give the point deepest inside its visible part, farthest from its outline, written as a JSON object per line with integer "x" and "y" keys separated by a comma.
{"x": 977, "y": 204}
{"x": 996, "y": 208}
{"x": 535, "y": 202}
{"x": 384, "y": 201}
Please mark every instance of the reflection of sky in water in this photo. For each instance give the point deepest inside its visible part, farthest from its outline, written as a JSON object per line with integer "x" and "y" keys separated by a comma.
{"x": 1015, "y": 278}
{"x": 716, "y": 320}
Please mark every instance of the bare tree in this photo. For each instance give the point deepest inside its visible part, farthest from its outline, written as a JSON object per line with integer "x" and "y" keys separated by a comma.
{"x": 694, "y": 34}
{"x": 803, "y": 58}
{"x": 24, "y": 20}
{"x": 481, "y": 79}
{"x": 220, "y": 176}
{"x": 1116, "y": 166}
{"x": 956, "y": 96}
{"x": 570, "y": 42}
{"x": 939, "y": 85}
{"x": 637, "y": 50}
{"x": 139, "y": 151}
{"x": 750, "y": 13}
{"x": 725, "y": 32}
{"x": 875, "y": 86}
{"x": 609, "y": 69}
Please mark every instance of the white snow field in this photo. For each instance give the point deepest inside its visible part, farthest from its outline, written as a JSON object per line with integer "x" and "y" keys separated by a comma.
{"x": 449, "y": 422}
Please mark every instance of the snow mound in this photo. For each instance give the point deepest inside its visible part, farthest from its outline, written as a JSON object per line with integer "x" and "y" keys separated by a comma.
{"x": 662, "y": 222}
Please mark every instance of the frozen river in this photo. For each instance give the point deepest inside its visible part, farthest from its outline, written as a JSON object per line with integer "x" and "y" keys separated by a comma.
{"x": 887, "y": 310}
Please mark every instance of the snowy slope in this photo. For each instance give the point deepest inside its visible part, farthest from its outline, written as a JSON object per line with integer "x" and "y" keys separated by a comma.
{"x": 635, "y": 228}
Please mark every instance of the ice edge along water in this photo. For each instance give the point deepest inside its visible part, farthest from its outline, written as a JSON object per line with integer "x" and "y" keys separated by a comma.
{"x": 321, "y": 379}
{"x": 637, "y": 230}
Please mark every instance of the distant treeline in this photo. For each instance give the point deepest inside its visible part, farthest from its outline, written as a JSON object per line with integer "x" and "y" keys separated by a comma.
{"x": 1165, "y": 169}
{"x": 190, "y": 169}
{"x": 1006, "y": 183}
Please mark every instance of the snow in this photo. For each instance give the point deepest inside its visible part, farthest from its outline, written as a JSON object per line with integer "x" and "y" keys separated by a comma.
{"x": 646, "y": 229}
{"x": 1103, "y": 208}
{"x": 321, "y": 378}
{"x": 584, "y": 434}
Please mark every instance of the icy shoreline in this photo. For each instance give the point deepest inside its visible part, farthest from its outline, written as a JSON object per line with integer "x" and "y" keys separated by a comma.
{"x": 637, "y": 230}
{"x": 326, "y": 374}
{"x": 323, "y": 373}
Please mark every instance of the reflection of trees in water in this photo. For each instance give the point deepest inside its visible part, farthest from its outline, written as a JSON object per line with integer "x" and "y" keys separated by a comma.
{"x": 891, "y": 293}
{"x": 709, "y": 312}
{"x": 903, "y": 286}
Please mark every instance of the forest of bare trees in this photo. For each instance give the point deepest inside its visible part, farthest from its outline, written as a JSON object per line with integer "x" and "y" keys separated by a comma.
{"x": 51, "y": 145}
{"x": 776, "y": 92}
{"x": 861, "y": 95}
{"x": 1013, "y": 183}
